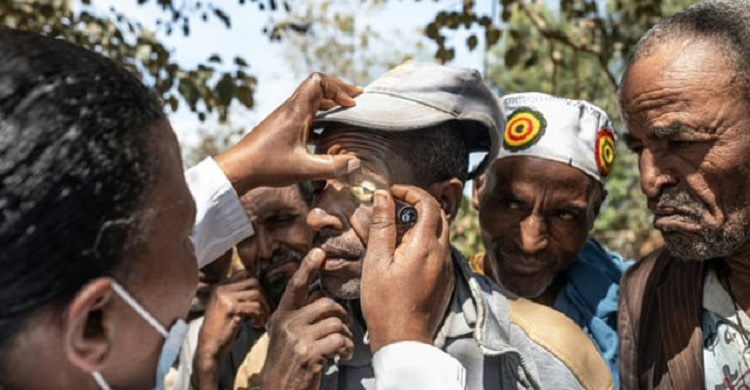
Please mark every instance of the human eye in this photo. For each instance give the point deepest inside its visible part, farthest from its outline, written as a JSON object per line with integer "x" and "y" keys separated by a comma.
{"x": 364, "y": 192}
{"x": 634, "y": 144}
{"x": 511, "y": 203}
{"x": 680, "y": 144}
{"x": 567, "y": 215}
{"x": 362, "y": 189}
{"x": 281, "y": 220}
{"x": 637, "y": 149}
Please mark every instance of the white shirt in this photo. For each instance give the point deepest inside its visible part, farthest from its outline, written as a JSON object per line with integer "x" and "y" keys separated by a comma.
{"x": 725, "y": 351}
{"x": 221, "y": 222}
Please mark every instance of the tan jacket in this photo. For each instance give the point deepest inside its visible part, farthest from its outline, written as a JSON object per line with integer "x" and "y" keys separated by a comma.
{"x": 661, "y": 342}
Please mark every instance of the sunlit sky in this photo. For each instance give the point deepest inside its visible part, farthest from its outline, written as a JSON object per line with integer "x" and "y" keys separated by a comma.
{"x": 268, "y": 62}
{"x": 276, "y": 79}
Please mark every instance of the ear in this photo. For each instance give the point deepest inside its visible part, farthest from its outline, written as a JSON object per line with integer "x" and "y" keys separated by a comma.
{"x": 476, "y": 188}
{"x": 596, "y": 208}
{"x": 449, "y": 193}
{"x": 87, "y": 325}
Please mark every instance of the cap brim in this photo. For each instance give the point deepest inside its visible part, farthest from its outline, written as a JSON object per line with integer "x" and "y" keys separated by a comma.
{"x": 385, "y": 112}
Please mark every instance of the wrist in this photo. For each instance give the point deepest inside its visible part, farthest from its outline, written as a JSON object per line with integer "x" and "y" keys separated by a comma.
{"x": 238, "y": 168}
{"x": 205, "y": 373}
{"x": 206, "y": 359}
{"x": 389, "y": 335}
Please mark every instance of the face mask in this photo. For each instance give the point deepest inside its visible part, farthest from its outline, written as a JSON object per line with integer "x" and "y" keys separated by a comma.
{"x": 169, "y": 350}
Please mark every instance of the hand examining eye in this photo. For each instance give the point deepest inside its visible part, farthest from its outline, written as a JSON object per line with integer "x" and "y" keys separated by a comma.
{"x": 406, "y": 288}
{"x": 275, "y": 152}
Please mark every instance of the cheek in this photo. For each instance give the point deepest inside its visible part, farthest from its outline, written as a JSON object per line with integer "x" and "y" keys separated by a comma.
{"x": 568, "y": 239}
{"x": 297, "y": 237}
{"x": 360, "y": 222}
{"x": 718, "y": 180}
{"x": 247, "y": 250}
{"x": 496, "y": 224}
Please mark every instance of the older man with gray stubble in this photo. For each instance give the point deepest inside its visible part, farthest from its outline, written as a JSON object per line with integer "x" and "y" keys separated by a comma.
{"x": 684, "y": 309}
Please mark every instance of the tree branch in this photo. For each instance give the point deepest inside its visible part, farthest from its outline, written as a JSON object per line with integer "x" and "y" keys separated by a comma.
{"x": 543, "y": 27}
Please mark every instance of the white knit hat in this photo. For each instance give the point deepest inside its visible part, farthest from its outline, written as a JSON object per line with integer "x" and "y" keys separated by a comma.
{"x": 573, "y": 132}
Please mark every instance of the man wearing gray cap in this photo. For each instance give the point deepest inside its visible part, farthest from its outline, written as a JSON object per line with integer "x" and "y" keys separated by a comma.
{"x": 537, "y": 203}
{"x": 418, "y": 317}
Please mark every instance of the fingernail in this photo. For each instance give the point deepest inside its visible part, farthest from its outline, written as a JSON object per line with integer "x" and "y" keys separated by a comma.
{"x": 379, "y": 198}
{"x": 317, "y": 254}
{"x": 353, "y": 165}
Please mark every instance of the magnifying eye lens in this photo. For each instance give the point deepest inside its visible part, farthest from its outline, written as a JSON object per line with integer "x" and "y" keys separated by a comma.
{"x": 363, "y": 194}
{"x": 363, "y": 190}
{"x": 408, "y": 215}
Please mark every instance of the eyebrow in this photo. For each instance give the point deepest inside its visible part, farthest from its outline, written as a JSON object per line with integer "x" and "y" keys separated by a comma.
{"x": 665, "y": 132}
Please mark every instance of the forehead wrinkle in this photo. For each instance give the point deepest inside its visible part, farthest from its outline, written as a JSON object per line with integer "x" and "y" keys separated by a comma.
{"x": 265, "y": 200}
{"x": 662, "y": 98}
{"x": 377, "y": 150}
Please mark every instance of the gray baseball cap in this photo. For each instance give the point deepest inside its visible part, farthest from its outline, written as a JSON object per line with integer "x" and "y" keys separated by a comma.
{"x": 415, "y": 95}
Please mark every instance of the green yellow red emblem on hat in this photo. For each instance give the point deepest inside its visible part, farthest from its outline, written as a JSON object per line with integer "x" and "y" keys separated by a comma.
{"x": 605, "y": 151}
{"x": 523, "y": 129}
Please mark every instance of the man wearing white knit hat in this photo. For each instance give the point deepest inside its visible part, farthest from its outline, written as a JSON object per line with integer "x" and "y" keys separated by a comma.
{"x": 537, "y": 203}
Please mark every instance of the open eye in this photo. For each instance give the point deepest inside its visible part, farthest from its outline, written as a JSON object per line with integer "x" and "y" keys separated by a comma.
{"x": 363, "y": 190}
{"x": 566, "y": 215}
{"x": 363, "y": 193}
{"x": 281, "y": 220}
{"x": 511, "y": 204}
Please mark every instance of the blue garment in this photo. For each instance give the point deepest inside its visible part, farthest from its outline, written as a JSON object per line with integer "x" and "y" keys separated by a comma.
{"x": 589, "y": 297}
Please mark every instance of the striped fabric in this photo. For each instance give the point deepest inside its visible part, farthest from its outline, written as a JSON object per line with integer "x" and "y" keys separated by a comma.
{"x": 661, "y": 343}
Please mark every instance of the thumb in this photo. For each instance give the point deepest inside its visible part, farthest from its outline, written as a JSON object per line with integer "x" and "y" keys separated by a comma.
{"x": 381, "y": 243}
{"x": 324, "y": 166}
{"x": 297, "y": 288}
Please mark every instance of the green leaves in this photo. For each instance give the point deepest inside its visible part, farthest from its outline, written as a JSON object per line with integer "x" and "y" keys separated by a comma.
{"x": 574, "y": 49}
{"x": 202, "y": 87}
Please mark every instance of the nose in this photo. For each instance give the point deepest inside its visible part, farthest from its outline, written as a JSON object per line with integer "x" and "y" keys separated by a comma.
{"x": 319, "y": 219}
{"x": 266, "y": 244}
{"x": 533, "y": 234}
{"x": 329, "y": 211}
{"x": 653, "y": 175}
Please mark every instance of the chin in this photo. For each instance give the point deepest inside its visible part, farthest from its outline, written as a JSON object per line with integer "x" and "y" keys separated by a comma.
{"x": 526, "y": 290}
{"x": 710, "y": 244}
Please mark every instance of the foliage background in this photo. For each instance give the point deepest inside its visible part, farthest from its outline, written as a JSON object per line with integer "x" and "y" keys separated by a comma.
{"x": 571, "y": 48}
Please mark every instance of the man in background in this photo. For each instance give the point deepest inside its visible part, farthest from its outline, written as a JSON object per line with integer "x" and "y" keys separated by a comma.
{"x": 537, "y": 203}
{"x": 239, "y": 307}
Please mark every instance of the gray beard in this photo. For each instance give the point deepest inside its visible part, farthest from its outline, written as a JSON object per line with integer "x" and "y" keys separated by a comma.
{"x": 713, "y": 243}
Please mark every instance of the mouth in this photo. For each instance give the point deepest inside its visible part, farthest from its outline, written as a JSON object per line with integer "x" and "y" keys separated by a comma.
{"x": 525, "y": 267}
{"x": 669, "y": 223}
{"x": 334, "y": 253}
{"x": 336, "y": 264}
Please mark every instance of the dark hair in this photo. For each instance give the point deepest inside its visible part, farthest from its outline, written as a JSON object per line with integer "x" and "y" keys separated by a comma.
{"x": 436, "y": 153}
{"x": 725, "y": 22}
{"x": 74, "y": 168}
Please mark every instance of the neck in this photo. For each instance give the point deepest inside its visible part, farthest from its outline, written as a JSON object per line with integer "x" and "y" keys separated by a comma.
{"x": 547, "y": 298}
